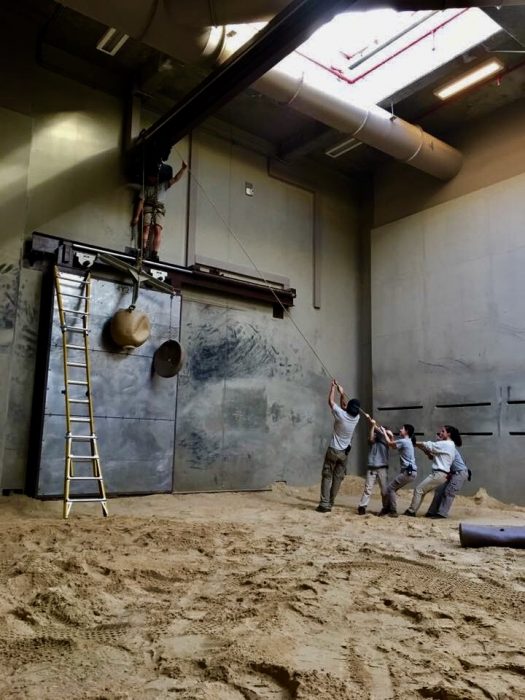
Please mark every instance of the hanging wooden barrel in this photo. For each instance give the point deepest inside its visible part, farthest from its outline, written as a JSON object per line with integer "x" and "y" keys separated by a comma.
{"x": 130, "y": 328}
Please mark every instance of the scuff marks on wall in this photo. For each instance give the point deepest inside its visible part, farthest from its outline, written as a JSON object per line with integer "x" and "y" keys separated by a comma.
{"x": 28, "y": 314}
{"x": 9, "y": 276}
{"x": 245, "y": 409}
{"x": 250, "y": 410}
{"x": 21, "y": 376}
{"x": 200, "y": 449}
{"x": 276, "y": 411}
{"x": 236, "y": 350}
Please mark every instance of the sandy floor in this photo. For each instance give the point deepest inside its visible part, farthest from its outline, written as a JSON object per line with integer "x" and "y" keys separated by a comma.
{"x": 247, "y": 596}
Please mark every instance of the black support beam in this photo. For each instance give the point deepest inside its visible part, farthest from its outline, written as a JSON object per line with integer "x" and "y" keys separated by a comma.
{"x": 286, "y": 31}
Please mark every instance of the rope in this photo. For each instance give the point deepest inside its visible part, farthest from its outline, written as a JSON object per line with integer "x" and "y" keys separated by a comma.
{"x": 171, "y": 315}
{"x": 140, "y": 234}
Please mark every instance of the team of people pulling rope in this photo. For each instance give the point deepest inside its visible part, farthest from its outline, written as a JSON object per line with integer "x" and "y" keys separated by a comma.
{"x": 449, "y": 471}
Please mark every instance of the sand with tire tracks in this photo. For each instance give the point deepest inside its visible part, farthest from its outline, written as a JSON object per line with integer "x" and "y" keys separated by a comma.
{"x": 248, "y": 596}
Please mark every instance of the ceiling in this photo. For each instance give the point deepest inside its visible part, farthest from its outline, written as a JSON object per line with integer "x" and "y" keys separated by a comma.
{"x": 66, "y": 43}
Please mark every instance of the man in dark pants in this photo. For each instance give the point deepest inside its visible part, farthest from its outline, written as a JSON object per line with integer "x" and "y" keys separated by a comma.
{"x": 346, "y": 417}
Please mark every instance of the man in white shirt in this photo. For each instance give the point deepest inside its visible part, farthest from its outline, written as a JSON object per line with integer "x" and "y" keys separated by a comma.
{"x": 346, "y": 417}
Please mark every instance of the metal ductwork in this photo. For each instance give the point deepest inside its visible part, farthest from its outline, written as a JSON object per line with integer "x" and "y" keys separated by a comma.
{"x": 187, "y": 33}
{"x": 371, "y": 125}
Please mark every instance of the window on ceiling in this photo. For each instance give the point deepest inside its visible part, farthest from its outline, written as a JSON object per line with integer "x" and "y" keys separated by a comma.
{"x": 379, "y": 52}
{"x": 369, "y": 56}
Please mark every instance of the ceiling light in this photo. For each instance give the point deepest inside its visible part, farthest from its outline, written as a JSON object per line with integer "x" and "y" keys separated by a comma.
{"x": 112, "y": 41}
{"x": 471, "y": 78}
{"x": 343, "y": 147}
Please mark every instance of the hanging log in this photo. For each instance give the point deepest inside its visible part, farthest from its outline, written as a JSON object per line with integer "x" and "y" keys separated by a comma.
{"x": 490, "y": 536}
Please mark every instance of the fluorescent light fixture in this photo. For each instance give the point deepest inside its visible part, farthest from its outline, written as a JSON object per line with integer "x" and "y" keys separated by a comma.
{"x": 343, "y": 147}
{"x": 112, "y": 41}
{"x": 480, "y": 73}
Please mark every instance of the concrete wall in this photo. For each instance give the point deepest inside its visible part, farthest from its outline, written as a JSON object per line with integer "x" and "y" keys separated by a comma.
{"x": 492, "y": 147}
{"x": 447, "y": 302}
{"x": 252, "y": 401}
{"x": 60, "y": 143}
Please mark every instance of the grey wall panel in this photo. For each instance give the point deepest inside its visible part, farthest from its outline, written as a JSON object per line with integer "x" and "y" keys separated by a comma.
{"x": 249, "y": 410}
{"x": 136, "y": 456}
{"x": 16, "y": 424}
{"x": 134, "y": 408}
{"x": 448, "y": 327}
{"x": 123, "y": 385}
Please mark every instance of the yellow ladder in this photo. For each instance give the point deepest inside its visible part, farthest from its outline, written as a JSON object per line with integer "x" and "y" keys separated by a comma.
{"x": 74, "y": 321}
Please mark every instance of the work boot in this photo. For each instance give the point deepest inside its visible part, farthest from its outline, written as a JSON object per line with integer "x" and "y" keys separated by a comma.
{"x": 154, "y": 256}
{"x": 393, "y": 514}
{"x": 409, "y": 513}
{"x": 323, "y": 509}
{"x": 383, "y": 511}
{"x": 361, "y": 510}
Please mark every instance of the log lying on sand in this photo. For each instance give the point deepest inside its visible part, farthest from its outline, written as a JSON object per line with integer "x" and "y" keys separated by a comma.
{"x": 490, "y": 536}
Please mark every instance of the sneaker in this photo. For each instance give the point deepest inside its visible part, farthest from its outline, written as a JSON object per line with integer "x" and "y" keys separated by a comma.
{"x": 322, "y": 509}
{"x": 361, "y": 510}
{"x": 410, "y": 513}
{"x": 154, "y": 256}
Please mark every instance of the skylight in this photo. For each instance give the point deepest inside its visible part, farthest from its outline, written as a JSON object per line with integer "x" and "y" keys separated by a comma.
{"x": 379, "y": 52}
{"x": 369, "y": 56}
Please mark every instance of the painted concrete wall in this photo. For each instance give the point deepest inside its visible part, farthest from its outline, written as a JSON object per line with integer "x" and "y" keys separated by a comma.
{"x": 447, "y": 292}
{"x": 493, "y": 149}
{"x": 252, "y": 399}
{"x": 62, "y": 148}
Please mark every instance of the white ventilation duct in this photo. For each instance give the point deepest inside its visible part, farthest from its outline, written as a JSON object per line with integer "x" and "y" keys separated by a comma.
{"x": 185, "y": 33}
{"x": 371, "y": 125}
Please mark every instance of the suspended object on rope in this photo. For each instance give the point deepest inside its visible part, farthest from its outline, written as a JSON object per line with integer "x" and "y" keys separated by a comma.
{"x": 130, "y": 328}
{"x": 169, "y": 358}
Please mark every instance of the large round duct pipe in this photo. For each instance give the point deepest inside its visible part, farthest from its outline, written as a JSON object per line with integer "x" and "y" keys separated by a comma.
{"x": 187, "y": 31}
{"x": 371, "y": 125}
{"x": 168, "y": 27}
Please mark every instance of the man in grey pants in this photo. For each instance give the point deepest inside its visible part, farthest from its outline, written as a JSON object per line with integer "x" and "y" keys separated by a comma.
{"x": 377, "y": 467}
{"x": 346, "y": 417}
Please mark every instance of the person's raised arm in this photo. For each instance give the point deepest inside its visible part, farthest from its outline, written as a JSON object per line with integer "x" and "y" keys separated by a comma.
{"x": 389, "y": 437}
{"x": 372, "y": 433}
{"x": 178, "y": 175}
{"x": 331, "y": 394}
{"x": 342, "y": 400}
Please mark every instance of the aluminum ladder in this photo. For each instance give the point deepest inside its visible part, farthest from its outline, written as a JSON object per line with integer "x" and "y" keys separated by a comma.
{"x": 74, "y": 322}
